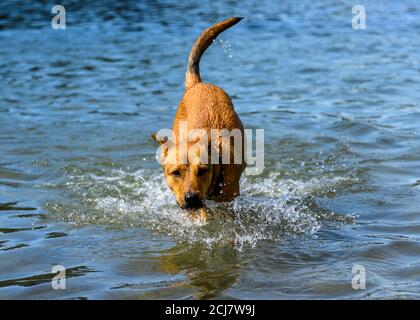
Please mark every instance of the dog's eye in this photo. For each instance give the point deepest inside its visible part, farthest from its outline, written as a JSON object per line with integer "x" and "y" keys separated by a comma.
{"x": 176, "y": 173}
{"x": 202, "y": 171}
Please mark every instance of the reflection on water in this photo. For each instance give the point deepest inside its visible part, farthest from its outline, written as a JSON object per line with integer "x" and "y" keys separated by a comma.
{"x": 80, "y": 187}
{"x": 209, "y": 271}
{"x": 45, "y": 278}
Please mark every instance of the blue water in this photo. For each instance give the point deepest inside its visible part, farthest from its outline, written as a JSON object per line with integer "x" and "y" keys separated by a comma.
{"x": 80, "y": 186}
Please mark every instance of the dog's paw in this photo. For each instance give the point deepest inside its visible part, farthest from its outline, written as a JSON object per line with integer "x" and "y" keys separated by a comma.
{"x": 200, "y": 215}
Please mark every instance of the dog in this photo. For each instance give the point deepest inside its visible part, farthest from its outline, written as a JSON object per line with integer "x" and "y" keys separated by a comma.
{"x": 205, "y": 107}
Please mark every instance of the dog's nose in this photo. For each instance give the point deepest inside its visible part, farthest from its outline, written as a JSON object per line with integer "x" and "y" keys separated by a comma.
{"x": 192, "y": 200}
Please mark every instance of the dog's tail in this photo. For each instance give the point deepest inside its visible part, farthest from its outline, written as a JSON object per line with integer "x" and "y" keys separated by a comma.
{"x": 203, "y": 42}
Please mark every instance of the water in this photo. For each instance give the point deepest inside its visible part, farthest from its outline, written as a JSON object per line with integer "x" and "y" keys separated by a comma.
{"x": 80, "y": 187}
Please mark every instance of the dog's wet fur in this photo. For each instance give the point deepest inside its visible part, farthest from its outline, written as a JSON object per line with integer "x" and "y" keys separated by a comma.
{"x": 203, "y": 106}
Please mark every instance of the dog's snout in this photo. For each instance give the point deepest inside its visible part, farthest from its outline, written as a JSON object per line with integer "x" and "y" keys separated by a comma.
{"x": 192, "y": 200}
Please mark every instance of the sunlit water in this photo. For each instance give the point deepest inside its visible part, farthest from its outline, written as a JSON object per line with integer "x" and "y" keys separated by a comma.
{"x": 80, "y": 186}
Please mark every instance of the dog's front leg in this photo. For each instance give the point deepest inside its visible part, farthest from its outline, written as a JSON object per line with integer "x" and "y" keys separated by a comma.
{"x": 200, "y": 215}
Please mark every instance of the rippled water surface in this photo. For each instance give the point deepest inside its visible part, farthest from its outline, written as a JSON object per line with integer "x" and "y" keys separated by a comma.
{"x": 80, "y": 187}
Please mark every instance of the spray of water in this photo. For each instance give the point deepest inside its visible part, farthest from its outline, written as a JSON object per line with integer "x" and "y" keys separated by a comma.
{"x": 269, "y": 208}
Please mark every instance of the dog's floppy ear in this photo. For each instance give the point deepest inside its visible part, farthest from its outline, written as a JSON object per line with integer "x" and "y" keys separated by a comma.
{"x": 159, "y": 139}
{"x": 163, "y": 146}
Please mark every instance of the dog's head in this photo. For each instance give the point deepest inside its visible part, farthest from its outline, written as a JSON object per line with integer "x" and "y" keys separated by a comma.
{"x": 188, "y": 171}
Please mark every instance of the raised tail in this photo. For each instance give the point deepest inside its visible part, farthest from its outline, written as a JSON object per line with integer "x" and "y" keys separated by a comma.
{"x": 203, "y": 42}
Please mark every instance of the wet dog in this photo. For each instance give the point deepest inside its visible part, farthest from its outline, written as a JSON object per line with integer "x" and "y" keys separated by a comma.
{"x": 194, "y": 164}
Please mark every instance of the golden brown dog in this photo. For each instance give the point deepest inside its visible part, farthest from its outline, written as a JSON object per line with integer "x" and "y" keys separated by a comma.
{"x": 206, "y": 107}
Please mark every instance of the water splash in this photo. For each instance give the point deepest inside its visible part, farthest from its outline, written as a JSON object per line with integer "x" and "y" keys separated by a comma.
{"x": 226, "y": 46}
{"x": 270, "y": 208}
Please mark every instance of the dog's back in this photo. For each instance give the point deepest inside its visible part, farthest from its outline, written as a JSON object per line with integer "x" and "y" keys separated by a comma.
{"x": 204, "y": 105}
